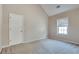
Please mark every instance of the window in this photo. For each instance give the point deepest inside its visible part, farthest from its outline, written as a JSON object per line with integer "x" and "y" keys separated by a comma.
{"x": 62, "y": 26}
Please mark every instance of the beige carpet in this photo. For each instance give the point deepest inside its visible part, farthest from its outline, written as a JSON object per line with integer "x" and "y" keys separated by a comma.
{"x": 45, "y": 46}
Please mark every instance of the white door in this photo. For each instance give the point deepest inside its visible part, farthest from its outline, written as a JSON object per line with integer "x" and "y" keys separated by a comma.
{"x": 16, "y": 29}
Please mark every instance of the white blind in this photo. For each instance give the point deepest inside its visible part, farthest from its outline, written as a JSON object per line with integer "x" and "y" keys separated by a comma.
{"x": 63, "y": 22}
{"x": 62, "y": 25}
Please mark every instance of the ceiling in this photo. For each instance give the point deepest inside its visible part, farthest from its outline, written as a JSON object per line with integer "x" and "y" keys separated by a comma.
{"x": 51, "y": 9}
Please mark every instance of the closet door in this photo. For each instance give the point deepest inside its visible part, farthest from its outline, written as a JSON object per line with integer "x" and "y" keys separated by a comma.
{"x": 16, "y": 29}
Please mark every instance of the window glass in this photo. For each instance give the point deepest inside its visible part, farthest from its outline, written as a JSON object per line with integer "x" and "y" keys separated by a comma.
{"x": 62, "y": 26}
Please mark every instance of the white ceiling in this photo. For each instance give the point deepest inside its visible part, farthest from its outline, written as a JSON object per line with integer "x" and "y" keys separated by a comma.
{"x": 51, "y": 9}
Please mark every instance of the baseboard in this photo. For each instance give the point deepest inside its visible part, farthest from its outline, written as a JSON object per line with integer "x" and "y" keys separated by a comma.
{"x": 67, "y": 41}
{"x": 34, "y": 40}
{"x": 75, "y": 43}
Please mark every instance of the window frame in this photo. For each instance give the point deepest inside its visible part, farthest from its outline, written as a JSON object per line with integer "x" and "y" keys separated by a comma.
{"x": 63, "y": 24}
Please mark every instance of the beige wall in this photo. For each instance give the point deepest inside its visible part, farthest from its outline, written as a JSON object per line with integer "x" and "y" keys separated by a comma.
{"x": 0, "y": 24}
{"x": 73, "y": 28}
{"x": 35, "y": 22}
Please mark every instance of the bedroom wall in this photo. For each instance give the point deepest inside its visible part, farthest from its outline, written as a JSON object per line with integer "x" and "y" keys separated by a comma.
{"x": 73, "y": 28}
{"x": 0, "y": 25}
{"x": 35, "y": 22}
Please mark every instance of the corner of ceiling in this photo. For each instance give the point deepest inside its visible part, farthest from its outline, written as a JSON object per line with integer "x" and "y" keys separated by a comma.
{"x": 43, "y": 9}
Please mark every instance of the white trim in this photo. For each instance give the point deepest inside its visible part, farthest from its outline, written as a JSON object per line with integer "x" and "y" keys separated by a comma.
{"x": 45, "y": 37}
{"x": 67, "y": 41}
{"x": 32, "y": 41}
{"x": 21, "y": 43}
{"x": 73, "y": 42}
